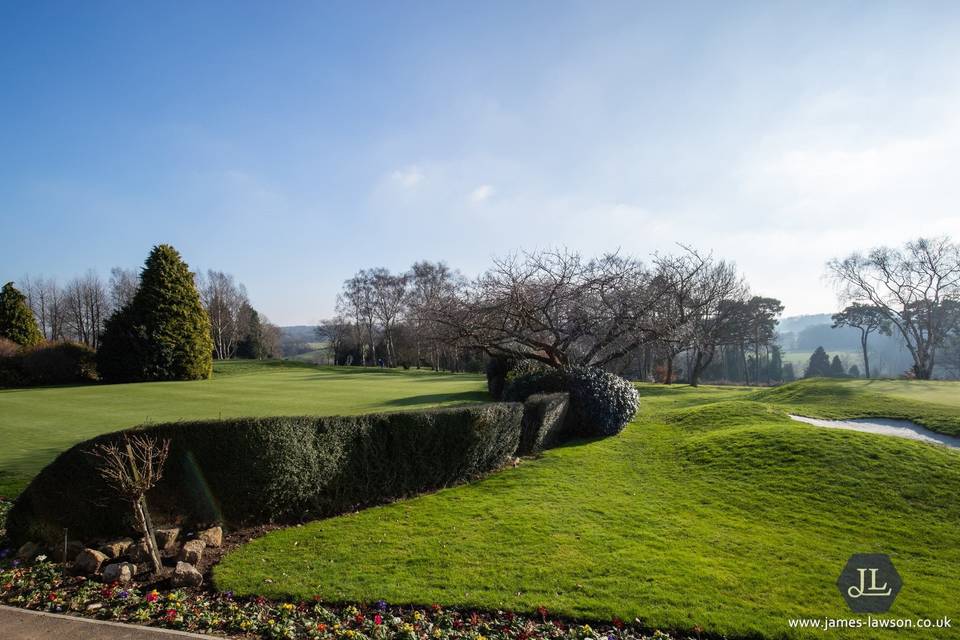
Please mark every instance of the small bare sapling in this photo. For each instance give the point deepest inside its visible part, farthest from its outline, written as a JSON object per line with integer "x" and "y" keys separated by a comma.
{"x": 132, "y": 467}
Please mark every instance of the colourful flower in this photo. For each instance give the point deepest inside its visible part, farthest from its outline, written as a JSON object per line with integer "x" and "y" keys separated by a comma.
{"x": 378, "y": 619}
{"x": 153, "y": 596}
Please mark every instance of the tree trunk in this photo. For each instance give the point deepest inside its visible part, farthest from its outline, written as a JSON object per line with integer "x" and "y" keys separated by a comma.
{"x": 669, "y": 379}
{"x": 866, "y": 356}
{"x": 143, "y": 522}
{"x": 695, "y": 370}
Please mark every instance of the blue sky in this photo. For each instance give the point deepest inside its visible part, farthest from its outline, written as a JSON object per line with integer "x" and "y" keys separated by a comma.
{"x": 294, "y": 143}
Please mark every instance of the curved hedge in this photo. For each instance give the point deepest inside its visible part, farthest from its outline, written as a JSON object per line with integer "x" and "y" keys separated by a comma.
{"x": 545, "y": 422}
{"x": 255, "y": 470}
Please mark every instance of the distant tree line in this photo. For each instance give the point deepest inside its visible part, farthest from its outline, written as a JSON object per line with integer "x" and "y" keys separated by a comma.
{"x": 78, "y": 311}
{"x": 163, "y": 323}
{"x": 687, "y": 316}
{"x": 821, "y": 366}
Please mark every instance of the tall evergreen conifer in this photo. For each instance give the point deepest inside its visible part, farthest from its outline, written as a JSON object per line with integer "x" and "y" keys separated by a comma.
{"x": 16, "y": 319}
{"x": 164, "y": 332}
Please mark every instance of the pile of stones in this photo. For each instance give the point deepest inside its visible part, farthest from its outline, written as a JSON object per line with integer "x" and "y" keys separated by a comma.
{"x": 121, "y": 560}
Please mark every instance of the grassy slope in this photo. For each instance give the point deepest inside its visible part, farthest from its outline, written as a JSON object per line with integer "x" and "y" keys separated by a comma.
{"x": 710, "y": 509}
{"x": 934, "y": 404}
{"x": 37, "y": 424}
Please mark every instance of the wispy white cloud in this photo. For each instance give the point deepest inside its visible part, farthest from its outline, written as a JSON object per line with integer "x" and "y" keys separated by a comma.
{"x": 482, "y": 193}
{"x": 409, "y": 177}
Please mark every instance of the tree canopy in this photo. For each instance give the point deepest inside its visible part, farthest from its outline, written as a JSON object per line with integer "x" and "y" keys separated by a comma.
{"x": 16, "y": 319}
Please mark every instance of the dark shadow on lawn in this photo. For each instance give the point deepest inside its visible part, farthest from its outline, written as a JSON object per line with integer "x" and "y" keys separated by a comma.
{"x": 434, "y": 398}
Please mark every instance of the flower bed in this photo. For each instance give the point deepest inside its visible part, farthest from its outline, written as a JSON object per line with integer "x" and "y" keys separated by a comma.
{"x": 43, "y": 586}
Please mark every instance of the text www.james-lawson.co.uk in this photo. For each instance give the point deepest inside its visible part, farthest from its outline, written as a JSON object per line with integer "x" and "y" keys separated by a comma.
{"x": 870, "y": 622}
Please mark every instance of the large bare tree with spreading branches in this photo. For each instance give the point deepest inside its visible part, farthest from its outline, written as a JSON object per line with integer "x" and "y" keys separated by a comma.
{"x": 558, "y": 308}
{"x": 915, "y": 287}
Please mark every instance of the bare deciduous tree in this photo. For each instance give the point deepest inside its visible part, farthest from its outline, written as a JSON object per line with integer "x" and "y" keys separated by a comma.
{"x": 558, "y": 308}
{"x": 224, "y": 300}
{"x": 87, "y": 307}
{"x": 868, "y": 319}
{"x": 389, "y": 303}
{"x": 358, "y": 302}
{"x": 123, "y": 286}
{"x": 132, "y": 468}
{"x": 700, "y": 308}
{"x": 46, "y": 300}
{"x": 914, "y": 288}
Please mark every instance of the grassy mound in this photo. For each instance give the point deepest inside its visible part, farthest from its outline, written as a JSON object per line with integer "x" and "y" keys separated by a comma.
{"x": 933, "y": 404}
{"x": 711, "y": 509}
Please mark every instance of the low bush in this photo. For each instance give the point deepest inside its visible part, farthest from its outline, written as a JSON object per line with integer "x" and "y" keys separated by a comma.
{"x": 544, "y": 422}
{"x": 49, "y": 363}
{"x": 601, "y": 403}
{"x": 256, "y": 470}
{"x": 59, "y": 363}
{"x": 8, "y": 348}
{"x": 529, "y": 378}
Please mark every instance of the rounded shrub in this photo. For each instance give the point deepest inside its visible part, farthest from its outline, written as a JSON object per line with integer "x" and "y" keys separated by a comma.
{"x": 602, "y": 403}
{"x": 59, "y": 363}
{"x": 528, "y": 378}
{"x": 48, "y": 363}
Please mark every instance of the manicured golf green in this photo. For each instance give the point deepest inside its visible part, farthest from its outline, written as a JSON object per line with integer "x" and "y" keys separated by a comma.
{"x": 38, "y": 424}
{"x": 712, "y": 510}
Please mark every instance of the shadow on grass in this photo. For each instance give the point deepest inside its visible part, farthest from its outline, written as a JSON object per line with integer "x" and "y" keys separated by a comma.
{"x": 12, "y": 484}
{"x": 436, "y": 398}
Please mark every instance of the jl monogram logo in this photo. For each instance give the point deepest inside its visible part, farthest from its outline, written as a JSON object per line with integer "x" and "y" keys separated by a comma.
{"x": 869, "y": 583}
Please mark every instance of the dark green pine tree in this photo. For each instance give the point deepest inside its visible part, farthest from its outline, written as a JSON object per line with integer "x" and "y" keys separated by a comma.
{"x": 16, "y": 320}
{"x": 836, "y": 368}
{"x": 819, "y": 366}
{"x": 164, "y": 333}
{"x": 854, "y": 371}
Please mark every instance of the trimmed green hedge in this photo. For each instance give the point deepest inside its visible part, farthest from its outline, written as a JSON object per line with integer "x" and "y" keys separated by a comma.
{"x": 256, "y": 470}
{"x": 545, "y": 423}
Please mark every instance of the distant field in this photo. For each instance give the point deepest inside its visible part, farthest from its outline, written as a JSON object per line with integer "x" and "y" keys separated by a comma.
{"x": 37, "y": 424}
{"x": 800, "y": 359}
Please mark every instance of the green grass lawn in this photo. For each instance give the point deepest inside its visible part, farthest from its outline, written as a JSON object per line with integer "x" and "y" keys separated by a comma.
{"x": 712, "y": 508}
{"x": 38, "y": 424}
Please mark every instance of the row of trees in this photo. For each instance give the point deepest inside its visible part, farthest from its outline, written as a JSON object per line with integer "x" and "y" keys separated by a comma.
{"x": 561, "y": 309}
{"x": 821, "y": 366}
{"x": 236, "y": 328}
{"x": 393, "y": 319}
{"x": 79, "y": 310}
